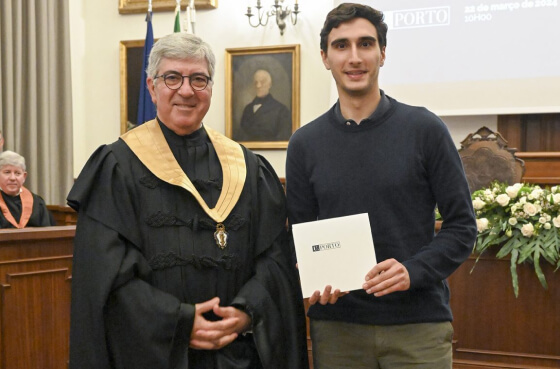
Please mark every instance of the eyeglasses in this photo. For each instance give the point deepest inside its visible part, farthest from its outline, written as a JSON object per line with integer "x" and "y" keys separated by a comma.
{"x": 174, "y": 80}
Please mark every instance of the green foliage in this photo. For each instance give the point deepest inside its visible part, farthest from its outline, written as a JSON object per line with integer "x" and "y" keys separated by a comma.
{"x": 523, "y": 221}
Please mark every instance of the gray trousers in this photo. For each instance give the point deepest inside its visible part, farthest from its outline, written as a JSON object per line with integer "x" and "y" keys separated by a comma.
{"x": 340, "y": 345}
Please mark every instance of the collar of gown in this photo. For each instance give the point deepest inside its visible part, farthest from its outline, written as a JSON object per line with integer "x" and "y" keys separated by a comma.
{"x": 150, "y": 146}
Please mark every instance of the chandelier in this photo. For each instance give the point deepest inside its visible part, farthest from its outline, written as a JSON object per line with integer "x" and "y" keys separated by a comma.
{"x": 276, "y": 10}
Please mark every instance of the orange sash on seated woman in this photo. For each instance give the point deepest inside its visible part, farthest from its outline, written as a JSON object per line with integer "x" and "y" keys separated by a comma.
{"x": 26, "y": 208}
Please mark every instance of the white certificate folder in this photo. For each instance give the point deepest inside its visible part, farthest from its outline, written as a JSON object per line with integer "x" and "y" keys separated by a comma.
{"x": 337, "y": 252}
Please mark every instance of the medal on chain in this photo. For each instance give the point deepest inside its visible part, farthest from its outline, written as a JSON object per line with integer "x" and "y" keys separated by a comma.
{"x": 221, "y": 236}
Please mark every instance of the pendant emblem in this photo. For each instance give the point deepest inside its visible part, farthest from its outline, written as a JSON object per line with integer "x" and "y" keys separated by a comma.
{"x": 221, "y": 236}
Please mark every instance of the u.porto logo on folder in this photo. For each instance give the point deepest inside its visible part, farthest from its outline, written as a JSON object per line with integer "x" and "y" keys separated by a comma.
{"x": 326, "y": 246}
{"x": 335, "y": 251}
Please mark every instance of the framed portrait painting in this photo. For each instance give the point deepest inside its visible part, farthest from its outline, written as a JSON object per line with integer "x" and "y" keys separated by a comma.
{"x": 262, "y": 95}
{"x": 130, "y": 57}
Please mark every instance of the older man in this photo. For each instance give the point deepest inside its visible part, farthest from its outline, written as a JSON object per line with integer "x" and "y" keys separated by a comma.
{"x": 181, "y": 256}
{"x": 265, "y": 118}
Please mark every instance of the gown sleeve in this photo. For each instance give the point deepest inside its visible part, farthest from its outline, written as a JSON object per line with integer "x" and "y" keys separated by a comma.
{"x": 272, "y": 297}
{"x": 118, "y": 320}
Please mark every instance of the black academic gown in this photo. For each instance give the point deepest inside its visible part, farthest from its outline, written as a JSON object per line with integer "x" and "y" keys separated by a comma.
{"x": 144, "y": 254}
{"x": 40, "y": 215}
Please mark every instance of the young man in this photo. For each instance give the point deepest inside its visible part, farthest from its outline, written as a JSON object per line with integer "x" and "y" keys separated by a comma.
{"x": 181, "y": 257}
{"x": 371, "y": 153}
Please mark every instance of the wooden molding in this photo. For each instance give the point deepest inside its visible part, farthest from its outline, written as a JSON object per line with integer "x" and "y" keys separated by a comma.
{"x": 141, "y": 6}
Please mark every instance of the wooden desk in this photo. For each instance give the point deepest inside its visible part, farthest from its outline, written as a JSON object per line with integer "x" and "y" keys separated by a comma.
{"x": 35, "y": 275}
{"x": 63, "y": 215}
{"x": 542, "y": 168}
{"x": 493, "y": 329}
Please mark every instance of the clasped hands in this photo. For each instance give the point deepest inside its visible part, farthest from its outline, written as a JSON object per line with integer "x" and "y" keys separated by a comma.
{"x": 386, "y": 277}
{"x": 213, "y": 335}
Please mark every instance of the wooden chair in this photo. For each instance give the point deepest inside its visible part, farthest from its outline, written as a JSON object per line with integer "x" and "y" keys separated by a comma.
{"x": 487, "y": 158}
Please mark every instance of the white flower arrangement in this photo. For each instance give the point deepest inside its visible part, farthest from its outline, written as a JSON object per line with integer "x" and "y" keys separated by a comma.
{"x": 524, "y": 221}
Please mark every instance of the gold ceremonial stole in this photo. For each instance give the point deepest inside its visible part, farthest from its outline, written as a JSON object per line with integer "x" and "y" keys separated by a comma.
{"x": 26, "y": 208}
{"x": 148, "y": 143}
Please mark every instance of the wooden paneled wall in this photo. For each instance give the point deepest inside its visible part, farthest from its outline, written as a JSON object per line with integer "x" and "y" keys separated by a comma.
{"x": 531, "y": 132}
{"x": 537, "y": 140}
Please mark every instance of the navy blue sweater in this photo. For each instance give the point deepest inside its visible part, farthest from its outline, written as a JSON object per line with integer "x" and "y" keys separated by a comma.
{"x": 396, "y": 166}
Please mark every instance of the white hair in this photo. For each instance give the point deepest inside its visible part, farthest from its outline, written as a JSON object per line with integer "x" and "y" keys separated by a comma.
{"x": 12, "y": 158}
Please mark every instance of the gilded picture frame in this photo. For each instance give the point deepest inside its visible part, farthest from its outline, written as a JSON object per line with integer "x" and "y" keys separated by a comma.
{"x": 282, "y": 65}
{"x": 141, "y": 6}
{"x": 130, "y": 57}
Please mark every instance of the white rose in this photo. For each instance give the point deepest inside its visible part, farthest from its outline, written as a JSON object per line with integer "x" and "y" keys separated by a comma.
{"x": 488, "y": 195}
{"x": 542, "y": 220}
{"x": 527, "y": 230}
{"x": 554, "y": 189}
{"x": 502, "y": 199}
{"x": 537, "y": 193}
{"x": 556, "y": 198}
{"x": 523, "y": 200}
{"x": 512, "y": 221}
{"x": 556, "y": 221}
{"x": 478, "y": 203}
{"x": 530, "y": 209}
{"x": 512, "y": 191}
{"x": 482, "y": 224}
{"x": 547, "y": 226}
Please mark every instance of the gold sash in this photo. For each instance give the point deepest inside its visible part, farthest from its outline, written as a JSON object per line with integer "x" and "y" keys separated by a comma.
{"x": 26, "y": 208}
{"x": 148, "y": 143}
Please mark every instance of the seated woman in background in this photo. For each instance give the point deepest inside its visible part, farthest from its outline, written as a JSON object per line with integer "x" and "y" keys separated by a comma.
{"x": 20, "y": 208}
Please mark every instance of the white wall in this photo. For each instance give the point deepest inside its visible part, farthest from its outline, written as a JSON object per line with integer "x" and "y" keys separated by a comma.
{"x": 97, "y": 28}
